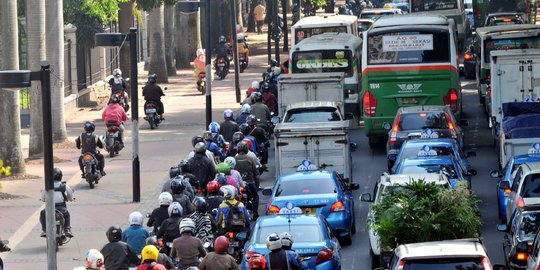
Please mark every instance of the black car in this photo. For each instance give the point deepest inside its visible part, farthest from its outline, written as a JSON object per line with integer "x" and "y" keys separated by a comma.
{"x": 502, "y": 18}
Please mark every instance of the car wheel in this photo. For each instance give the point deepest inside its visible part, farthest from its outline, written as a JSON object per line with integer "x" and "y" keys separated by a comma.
{"x": 353, "y": 228}
{"x": 375, "y": 260}
{"x": 346, "y": 240}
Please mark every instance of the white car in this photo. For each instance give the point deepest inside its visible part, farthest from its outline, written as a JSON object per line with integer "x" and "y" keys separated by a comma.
{"x": 526, "y": 184}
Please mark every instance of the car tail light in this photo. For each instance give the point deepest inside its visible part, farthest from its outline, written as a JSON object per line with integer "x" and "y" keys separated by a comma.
{"x": 395, "y": 129}
{"x": 325, "y": 255}
{"x": 521, "y": 256}
{"x": 370, "y": 104}
{"x": 451, "y": 98}
{"x": 507, "y": 192}
{"x": 468, "y": 56}
{"x": 486, "y": 264}
{"x": 488, "y": 77}
{"x": 520, "y": 203}
{"x": 401, "y": 263}
{"x": 250, "y": 253}
{"x": 337, "y": 206}
{"x": 272, "y": 209}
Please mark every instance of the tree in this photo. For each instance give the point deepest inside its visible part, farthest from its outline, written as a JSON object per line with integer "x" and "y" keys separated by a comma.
{"x": 125, "y": 21}
{"x": 188, "y": 38}
{"x": 156, "y": 28}
{"x": 35, "y": 25}
{"x": 10, "y": 126}
{"x": 170, "y": 47}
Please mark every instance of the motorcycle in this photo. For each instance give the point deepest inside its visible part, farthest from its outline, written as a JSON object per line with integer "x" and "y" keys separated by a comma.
{"x": 123, "y": 96}
{"x": 152, "y": 116}
{"x": 247, "y": 200}
{"x": 243, "y": 60}
{"x": 61, "y": 238}
{"x": 112, "y": 138}
{"x": 92, "y": 173}
{"x": 221, "y": 68}
{"x": 236, "y": 244}
{"x": 201, "y": 83}
{"x": 3, "y": 248}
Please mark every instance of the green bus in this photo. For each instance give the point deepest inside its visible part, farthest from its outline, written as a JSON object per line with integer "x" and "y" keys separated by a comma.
{"x": 408, "y": 60}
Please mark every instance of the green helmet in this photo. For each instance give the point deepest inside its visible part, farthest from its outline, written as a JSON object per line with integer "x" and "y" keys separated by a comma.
{"x": 223, "y": 168}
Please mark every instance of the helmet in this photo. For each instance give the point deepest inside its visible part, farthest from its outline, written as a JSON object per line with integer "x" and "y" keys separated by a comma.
{"x": 221, "y": 245}
{"x": 200, "y": 148}
{"x": 135, "y": 218}
{"x": 207, "y": 135}
{"x": 114, "y": 234}
{"x": 251, "y": 90}
{"x": 242, "y": 147}
{"x": 231, "y": 162}
{"x": 276, "y": 70}
{"x": 229, "y": 192}
{"x": 177, "y": 185}
{"x": 213, "y": 127}
{"x": 149, "y": 252}
{"x": 255, "y": 84}
{"x": 221, "y": 179}
{"x": 228, "y": 113}
{"x": 89, "y": 127}
{"x": 223, "y": 168}
{"x": 115, "y": 99}
{"x": 249, "y": 143}
{"x": 94, "y": 259}
{"x": 257, "y": 262}
{"x": 273, "y": 63}
{"x": 273, "y": 242}
{"x": 165, "y": 198}
{"x": 265, "y": 87}
{"x": 175, "y": 209}
{"x": 57, "y": 174}
{"x": 152, "y": 78}
{"x": 187, "y": 225}
{"x": 257, "y": 96}
{"x": 199, "y": 204}
{"x": 222, "y": 39}
{"x": 196, "y": 139}
{"x": 237, "y": 136}
{"x": 212, "y": 186}
{"x": 184, "y": 166}
{"x": 264, "y": 75}
{"x": 152, "y": 240}
{"x": 246, "y": 108}
{"x": 117, "y": 72}
{"x": 251, "y": 120}
{"x": 200, "y": 51}
{"x": 244, "y": 128}
{"x": 240, "y": 38}
{"x": 286, "y": 239}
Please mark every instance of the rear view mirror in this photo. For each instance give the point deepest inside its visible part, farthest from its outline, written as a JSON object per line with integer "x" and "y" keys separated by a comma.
{"x": 353, "y": 147}
{"x": 241, "y": 236}
{"x": 502, "y": 228}
{"x": 504, "y": 185}
{"x": 366, "y": 197}
{"x": 495, "y": 174}
{"x": 267, "y": 191}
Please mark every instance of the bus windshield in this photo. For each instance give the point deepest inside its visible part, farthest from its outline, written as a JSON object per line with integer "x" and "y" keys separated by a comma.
{"x": 408, "y": 47}
{"x": 507, "y": 44}
{"x": 431, "y": 5}
{"x": 302, "y": 33}
{"x": 323, "y": 61}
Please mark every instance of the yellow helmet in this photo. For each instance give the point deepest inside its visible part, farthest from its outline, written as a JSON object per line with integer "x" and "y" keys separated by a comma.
{"x": 150, "y": 252}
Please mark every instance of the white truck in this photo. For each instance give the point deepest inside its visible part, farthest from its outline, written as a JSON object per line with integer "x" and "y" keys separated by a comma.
{"x": 515, "y": 101}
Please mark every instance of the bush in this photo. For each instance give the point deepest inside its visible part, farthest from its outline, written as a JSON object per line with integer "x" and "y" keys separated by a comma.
{"x": 422, "y": 212}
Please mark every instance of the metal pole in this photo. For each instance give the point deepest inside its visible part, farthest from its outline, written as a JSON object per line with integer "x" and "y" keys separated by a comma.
{"x": 235, "y": 52}
{"x": 285, "y": 26}
{"x": 276, "y": 29}
{"x": 136, "y": 166}
{"x": 269, "y": 37}
{"x": 48, "y": 165}
{"x": 208, "y": 65}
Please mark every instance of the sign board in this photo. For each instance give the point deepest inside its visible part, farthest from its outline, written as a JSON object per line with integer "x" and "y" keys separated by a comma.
{"x": 290, "y": 209}
{"x": 535, "y": 149}
{"x": 408, "y": 43}
{"x": 322, "y": 63}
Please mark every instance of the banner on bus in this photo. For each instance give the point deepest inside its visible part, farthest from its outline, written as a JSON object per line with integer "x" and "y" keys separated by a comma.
{"x": 408, "y": 43}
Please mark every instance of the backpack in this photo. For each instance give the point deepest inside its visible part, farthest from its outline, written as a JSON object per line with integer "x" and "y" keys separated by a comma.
{"x": 62, "y": 189}
{"x": 117, "y": 85}
{"x": 236, "y": 218}
{"x": 172, "y": 230}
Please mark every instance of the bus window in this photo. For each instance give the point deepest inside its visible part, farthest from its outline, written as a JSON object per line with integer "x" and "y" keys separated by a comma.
{"x": 323, "y": 61}
{"x": 431, "y": 5}
{"x": 302, "y": 33}
{"x": 508, "y": 44}
{"x": 408, "y": 47}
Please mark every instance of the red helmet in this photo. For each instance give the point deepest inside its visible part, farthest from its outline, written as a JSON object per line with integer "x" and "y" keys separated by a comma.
{"x": 257, "y": 262}
{"x": 212, "y": 186}
{"x": 249, "y": 143}
{"x": 221, "y": 244}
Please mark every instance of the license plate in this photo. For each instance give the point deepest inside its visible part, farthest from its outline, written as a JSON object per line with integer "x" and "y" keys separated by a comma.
{"x": 150, "y": 110}
{"x": 409, "y": 100}
{"x": 311, "y": 211}
{"x": 221, "y": 65}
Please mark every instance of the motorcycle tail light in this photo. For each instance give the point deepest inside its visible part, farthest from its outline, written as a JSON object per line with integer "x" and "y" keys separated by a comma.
{"x": 202, "y": 75}
{"x": 160, "y": 242}
{"x": 87, "y": 156}
{"x": 230, "y": 235}
{"x": 112, "y": 129}
{"x": 119, "y": 94}
{"x": 522, "y": 256}
{"x": 250, "y": 253}
{"x": 325, "y": 255}
{"x": 221, "y": 60}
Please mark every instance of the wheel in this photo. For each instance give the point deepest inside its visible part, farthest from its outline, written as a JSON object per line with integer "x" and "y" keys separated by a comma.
{"x": 375, "y": 260}
{"x": 151, "y": 122}
{"x": 203, "y": 92}
{"x": 91, "y": 183}
{"x": 346, "y": 240}
{"x": 112, "y": 152}
{"x": 353, "y": 228}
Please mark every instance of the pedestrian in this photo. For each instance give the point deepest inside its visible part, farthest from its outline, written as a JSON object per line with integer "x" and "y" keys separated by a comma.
{"x": 259, "y": 13}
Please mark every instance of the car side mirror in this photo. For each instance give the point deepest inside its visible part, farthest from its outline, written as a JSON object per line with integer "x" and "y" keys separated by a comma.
{"x": 267, "y": 191}
{"x": 470, "y": 154}
{"x": 502, "y": 228}
{"x": 464, "y": 122}
{"x": 354, "y": 186}
{"x": 366, "y": 197}
{"x": 349, "y": 116}
{"x": 471, "y": 172}
{"x": 495, "y": 174}
{"x": 241, "y": 236}
{"x": 353, "y": 147}
{"x": 504, "y": 185}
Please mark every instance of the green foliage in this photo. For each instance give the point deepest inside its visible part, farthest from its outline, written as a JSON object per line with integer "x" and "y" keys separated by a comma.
{"x": 316, "y": 3}
{"x": 148, "y": 5}
{"x": 422, "y": 212}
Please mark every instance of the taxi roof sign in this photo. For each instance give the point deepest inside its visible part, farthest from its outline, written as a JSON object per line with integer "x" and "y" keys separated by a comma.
{"x": 429, "y": 134}
{"x": 534, "y": 150}
{"x": 290, "y": 209}
{"x": 306, "y": 165}
{"x": 426, "y": 151}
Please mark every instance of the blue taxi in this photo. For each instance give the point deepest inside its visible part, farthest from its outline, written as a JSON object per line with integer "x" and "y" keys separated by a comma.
{"x": 317, "y": 192}
{"x": 314, "y": 241}
{"x": 507, "y": 175}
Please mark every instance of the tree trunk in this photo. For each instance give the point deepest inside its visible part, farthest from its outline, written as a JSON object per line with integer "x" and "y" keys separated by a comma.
{"x": 239, "y": 17}
{"x": 169, "y": 40}
{"x": 188, "y": 38}
{"x": 125, "y": 21}
{"x": 10, "y": 126}
{"x": 55, "y": 54}
{"x": 35, "y": 25}
{"x": 156, "y": 28}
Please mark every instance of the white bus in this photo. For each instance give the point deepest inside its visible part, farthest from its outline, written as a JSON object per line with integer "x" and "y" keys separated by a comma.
{"x": 314, "y": 25}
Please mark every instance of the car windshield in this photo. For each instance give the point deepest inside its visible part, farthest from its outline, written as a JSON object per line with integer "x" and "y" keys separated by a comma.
{"x": 529, "y": 224}
{"x": 431, "y": 5}
{"x": 422, "y": 120}
{"x": 302, "y": 33}
{"x": 309, "y": 186}
{"x": 503, "y": 21}
{"x": 413, "y": 151}
{"x": 508, "y": 44}
{"x": 467, "y": 263}
{"x": 446, "y": 169}
{"x": 531, "y": 186}
{"x": 363, "y": 26}
{"x": 375, "y": 15}
{"x": 312, "y": 115}
{"x": 300, "y": 233}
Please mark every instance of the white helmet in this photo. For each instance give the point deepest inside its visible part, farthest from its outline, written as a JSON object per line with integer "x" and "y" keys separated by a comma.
{"x": 175, "y": 209}
{"x": 200, "y": 51}
{"x": 165, "y": 198}
{"x": 246, "y": 108}
{"x": 255, "y": 84}
{"x": 273, "y": 242}
{"x": 136, "y": 218}
{"x": 117, "y": 72}
{"x": 94, "y": 259}
{"x": 286, "y": 239}
{"x": 187, "y": 225}
{"x": 229, "y": 192}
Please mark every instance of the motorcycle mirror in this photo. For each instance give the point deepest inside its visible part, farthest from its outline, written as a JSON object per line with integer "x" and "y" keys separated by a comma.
{"x": 165, "y": 88}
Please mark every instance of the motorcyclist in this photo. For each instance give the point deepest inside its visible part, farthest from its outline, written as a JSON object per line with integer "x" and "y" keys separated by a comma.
{"x": 261, "y": 111}
{"x": 190, "y": 182}
{"x": 223, "y": 51}
{"x": 250, "y": 174}
{"x": 178, "y": 188}
{"x": 255, "y": 86}
{"x": 135, "y": 235}
{"x": 213, "y": 146}
{"x": 224, "y": 180}
{"x": 152, "y": 92}
{"x": 199, "y": 64}
{"x": 162, "y": 257}
{"x": 287, "y": 240}
{"x": 205, "y": 225}
{"x": 227, "y": 169}
{"x": 217, "y": 138}
{"x": 160, "y": 213}
{"x": 94, "y": 261}
{"x": 232, "y": 216}
{"x": 245, "y": 129}
{"x": 273, "y": 63}
{"x": 214, "y": 198}
{"x": 201, "y": 166}
{"x": 219, "y": 259}
{"x": 187, "y": 248}
{"x": 117, "y": 83}
{"x": 251, "y": 143}
{"x": 209, "y": 155}
{"x": 114, "y": 114}
{"x": 260, "y": 137}
{"x": 245, "y": 112}
{"x": 257, "y": 262}
{"x": 228, "y": 126}
{"x": 88, "y": 142}
{"x": 237, "y": 137}
{"x": 278, "y": 258}
{"x": 243, "y": 47}
{"x": 62, "y": 194}
{"x": 169, "y": 230}
{"x": 118, "y": 254}
{"x": 150, "y": 256}
{"x": 269, "y": 99}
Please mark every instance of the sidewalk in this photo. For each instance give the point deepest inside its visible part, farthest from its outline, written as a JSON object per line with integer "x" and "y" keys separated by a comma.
{"x": 110, "y": 202}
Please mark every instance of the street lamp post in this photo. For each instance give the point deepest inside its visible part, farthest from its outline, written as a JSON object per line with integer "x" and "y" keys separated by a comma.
{"x": 20, "y": 79}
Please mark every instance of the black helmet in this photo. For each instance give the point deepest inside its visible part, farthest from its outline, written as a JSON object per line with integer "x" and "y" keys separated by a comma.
{"x": 199, "y": 204}
{"x": 274, "y": 63}
{"x": 114, "y": 234}
{"x": 200, "y": 148}
{"x": 237, "y": 136}
{"x": 265, "y": 74}
{"x": 177, "y": 186}
{"x": 152, "y": 240}
{"x": 265, "y": 87}
{"x": 152, "y": 78}
{"x": 184, "y": 166}
{"x": 115, "y": 99}
{"x": 244, "y": 128}
{"x": 222, "y": 40}
{"x": 57, "y": 174}
{"x": 242, "y": 147}
{"x": 89, "y": 127}
{"x": 251, "y": 120}
{"x": 257, "y": 96}
{"x": 196, "y": 139}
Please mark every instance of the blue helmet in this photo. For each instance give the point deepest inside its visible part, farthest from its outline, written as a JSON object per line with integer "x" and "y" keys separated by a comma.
{"x": 213, "y": 127}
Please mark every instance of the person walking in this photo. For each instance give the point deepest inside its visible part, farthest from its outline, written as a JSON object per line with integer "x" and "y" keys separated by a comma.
{"x": 259, "y": 13}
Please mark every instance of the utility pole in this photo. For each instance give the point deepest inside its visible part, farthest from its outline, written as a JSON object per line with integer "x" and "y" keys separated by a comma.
{"x": 275, "y": 11}
{"x": 235, "y": 51}
{"x": 208, "y": 64}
